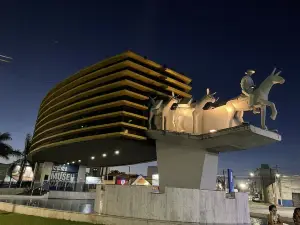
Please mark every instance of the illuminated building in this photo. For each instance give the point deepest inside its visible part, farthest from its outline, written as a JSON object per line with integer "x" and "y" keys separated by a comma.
{"x": 98, "y": 116}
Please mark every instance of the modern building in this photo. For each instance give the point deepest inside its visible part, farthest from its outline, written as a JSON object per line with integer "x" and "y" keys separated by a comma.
{"x": 98, "y": 116}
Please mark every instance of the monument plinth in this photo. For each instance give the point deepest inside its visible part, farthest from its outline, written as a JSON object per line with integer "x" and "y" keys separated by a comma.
{"x": 191, "y": 161}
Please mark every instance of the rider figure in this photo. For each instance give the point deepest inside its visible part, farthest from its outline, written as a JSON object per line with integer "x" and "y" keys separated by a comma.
{"x": 248, "y": 86}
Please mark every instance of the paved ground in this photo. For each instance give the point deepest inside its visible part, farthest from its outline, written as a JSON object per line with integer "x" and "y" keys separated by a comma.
{"x": 262, "y": 209}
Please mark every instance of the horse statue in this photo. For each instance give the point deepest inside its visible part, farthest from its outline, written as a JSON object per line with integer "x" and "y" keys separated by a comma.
{"x": 198, "y": 112}
{"x": 237, "y": 106}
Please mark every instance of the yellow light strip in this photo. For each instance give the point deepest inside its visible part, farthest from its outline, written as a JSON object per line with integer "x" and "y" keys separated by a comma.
{"x": 92, "y": 118}
{"x": 93, "y": 109}
{"x": 104, "y": 71}
{"x": 89, "y": 138}
{"x": 81, "y": 130}
{"x": 87, "y": 93}
{"x": 137, "y": 57}
{"x": 94, "y": 100}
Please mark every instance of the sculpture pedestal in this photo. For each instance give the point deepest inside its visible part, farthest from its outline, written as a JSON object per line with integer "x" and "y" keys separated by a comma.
{"x": 186, "y": 166}
{"x": 191, "y": 161}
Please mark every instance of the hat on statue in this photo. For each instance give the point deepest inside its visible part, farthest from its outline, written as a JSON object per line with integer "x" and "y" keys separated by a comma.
{"x": 250, "y": 72}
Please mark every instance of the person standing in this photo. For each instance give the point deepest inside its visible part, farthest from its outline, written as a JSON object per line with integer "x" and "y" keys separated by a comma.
{"x": 296, "y": 216}
{"x": 273, "y": 217}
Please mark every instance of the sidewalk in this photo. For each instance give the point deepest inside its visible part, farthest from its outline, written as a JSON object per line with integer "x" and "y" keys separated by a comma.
{"x": 261, "y": 210}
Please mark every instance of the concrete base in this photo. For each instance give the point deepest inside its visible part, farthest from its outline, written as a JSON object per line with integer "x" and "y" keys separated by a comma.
{"x": 191, "y": 161}
{"x": 175, "y": 205}
{"x": 186, "y": 166}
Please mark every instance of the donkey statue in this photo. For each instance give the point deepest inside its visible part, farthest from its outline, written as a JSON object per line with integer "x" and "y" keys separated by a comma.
{"x": 188, "y": 117}
{"x": 237, "y": 106}
{"x": 160, "y": 108}
{"x": 198, "y": 112}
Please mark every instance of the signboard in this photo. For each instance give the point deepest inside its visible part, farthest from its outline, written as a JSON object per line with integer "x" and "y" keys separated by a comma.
{"x": 63, "y": 177}
{"x": 155, "y": 180}
{"x": 93, "y": 180}
{"x": 230, "y": 181}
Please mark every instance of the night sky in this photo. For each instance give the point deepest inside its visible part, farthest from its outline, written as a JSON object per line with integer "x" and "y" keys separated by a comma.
{"x": 213, "y": 43}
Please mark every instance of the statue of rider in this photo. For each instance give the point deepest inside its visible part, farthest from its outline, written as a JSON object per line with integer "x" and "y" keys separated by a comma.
{"x": 248, "y": 86}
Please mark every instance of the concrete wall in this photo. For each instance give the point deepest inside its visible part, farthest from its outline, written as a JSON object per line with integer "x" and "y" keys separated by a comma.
{"x": 72, "y": 195}
{"x": 288, "y": 186}
{"x": 271, "y": 196}
{"x": 44, "y": 169}
{"x": 11, "y": 191}
{"x": 81, "y": 178}
{"x": 183, "y": 166}
{"x": 181, "y": 205}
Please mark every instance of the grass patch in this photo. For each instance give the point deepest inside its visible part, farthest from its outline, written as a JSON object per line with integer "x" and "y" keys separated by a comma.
{"x": 7, "y": 218}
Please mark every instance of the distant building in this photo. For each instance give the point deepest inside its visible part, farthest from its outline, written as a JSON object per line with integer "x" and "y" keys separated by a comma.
{"x": 263, "y": 177}
{"x": 284, "y": 191}
{"x": 152, "y": 170}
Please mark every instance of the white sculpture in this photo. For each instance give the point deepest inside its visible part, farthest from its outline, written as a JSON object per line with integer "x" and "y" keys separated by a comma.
{"x": 188, "y": 117}
{"x": 166, "y": 111}
{"x": 247, "y": 85}
{"x": 183, "y": 117}
{"x": 237, "y": 106}
{"x": 154, "y": 110}
{"x": 198, "y": 112}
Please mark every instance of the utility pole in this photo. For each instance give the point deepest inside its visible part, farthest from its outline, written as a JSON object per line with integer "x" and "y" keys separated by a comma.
{"x": 278, "y": 185}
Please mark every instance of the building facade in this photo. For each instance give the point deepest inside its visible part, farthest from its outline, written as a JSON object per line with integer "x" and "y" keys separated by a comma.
{"x": 285, "y": 191}
{"x": 101, "y": 112}
{"x": 263, "y": 177}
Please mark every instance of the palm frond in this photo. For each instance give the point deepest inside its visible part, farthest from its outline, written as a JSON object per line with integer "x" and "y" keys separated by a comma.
{"x": 5, "y": 136}
{"x": 6, "y": 150}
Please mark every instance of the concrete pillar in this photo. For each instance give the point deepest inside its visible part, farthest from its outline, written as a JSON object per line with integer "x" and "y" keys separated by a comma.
{"x": 81, "y": 178}
{"x": 186, "y": 166}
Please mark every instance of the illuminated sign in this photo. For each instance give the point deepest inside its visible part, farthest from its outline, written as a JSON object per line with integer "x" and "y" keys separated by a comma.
{"x": 63, "y": 177}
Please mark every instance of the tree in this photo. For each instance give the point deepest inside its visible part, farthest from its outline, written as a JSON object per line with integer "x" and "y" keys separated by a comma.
{"x": 5, "y": 149}
{"x": 28, "y": 142}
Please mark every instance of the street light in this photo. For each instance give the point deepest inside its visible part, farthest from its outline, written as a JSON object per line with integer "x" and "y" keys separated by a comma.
{"x": 243, "y": 186}
{"x": 251, "y": 174}
{"x": 277, "y": 175}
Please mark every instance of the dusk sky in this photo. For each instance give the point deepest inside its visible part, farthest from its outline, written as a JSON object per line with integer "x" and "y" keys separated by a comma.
{"x": 213, "y": 43}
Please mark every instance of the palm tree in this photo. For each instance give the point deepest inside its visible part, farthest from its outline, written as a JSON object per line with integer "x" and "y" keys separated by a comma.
{"x": 5, "y": 149}
{"x": 28, "y": 141}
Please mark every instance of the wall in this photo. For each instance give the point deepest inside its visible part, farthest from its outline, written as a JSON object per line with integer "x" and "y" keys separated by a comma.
{"x": 281, "y": 191}
{"x": 11, "y": 191}
{"x": 185, "y": 166}
{"x": 44, "y": 169}
{"x": 271, "y": 196}
{"x": 289, "y": 185}
{"x": 72, "y": 195}
{"x": 176, "y": 204}
{"x": 81, "y": 178}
